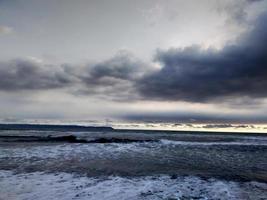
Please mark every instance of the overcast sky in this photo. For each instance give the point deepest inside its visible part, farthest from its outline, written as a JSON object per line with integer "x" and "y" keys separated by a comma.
{"x": 173, "y": 60}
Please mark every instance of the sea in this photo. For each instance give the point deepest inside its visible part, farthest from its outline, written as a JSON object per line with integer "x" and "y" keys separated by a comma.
{"x": 69, "y": 162}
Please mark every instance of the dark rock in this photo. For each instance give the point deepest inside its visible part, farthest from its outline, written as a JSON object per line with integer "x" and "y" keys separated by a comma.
{"x": 174, "y": 176}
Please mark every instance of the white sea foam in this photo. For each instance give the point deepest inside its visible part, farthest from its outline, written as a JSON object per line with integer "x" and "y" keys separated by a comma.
{"x": 173, "y": 142}
{"x": 67, "y": 150}
{"x": 65, "y": 186}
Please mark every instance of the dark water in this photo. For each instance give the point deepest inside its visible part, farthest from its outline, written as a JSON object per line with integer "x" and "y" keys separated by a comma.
{"x": 227, "y": 156}
{"x": 133, "y": 154}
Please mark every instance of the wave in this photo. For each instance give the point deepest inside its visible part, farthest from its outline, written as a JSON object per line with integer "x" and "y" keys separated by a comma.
{"x": 124, "y": 140}
{"x": 70, "y": 139}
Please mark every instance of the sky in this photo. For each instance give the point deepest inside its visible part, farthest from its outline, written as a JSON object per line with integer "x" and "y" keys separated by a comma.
{"x": 176, "y": 62}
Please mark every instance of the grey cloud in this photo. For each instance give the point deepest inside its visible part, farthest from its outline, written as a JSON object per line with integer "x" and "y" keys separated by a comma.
{"x": 122, "y": 67}
{"x": 196, "y": 75}
{"x": 177, "y": 124}
{"x": 208, "y": 126}
{"x": 112, "y": 78}
{"x": 236, "y": 11}
{"x": 30, "y": 75}
{"x": 245, "y": 126}
{"x": 252, "y": 1}
{"x": 218, "y": 126}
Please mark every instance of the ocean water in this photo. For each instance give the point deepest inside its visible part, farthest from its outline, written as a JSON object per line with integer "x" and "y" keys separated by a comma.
{"x": 133, "y": 165}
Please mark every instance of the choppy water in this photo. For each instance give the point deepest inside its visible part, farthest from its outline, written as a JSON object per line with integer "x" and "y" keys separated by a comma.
{"x": 214, "y": 166}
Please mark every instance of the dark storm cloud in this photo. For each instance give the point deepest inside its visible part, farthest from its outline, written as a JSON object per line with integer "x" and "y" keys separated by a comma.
{"x": 191, "y": 74}
{"x": 190, "y": 117}
{"x": 197, "y": 75}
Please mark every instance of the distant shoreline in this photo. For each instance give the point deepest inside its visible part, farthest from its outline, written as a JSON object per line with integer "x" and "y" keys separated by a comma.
{"x": 50, "y": 127}
{"x": 80, "y": 128}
